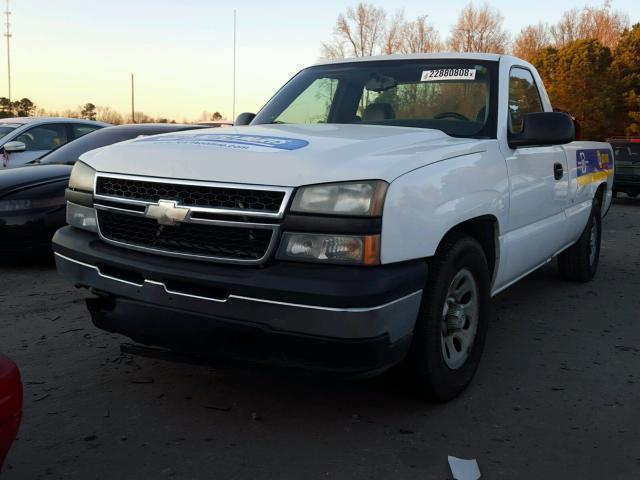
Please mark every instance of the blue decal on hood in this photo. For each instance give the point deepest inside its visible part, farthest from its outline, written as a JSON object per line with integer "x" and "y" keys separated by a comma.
{"x": 279, "y": 143}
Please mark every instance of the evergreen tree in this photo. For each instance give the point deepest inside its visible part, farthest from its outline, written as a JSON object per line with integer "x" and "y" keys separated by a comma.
{"x": 579, "y": 80}
{"x": 626, "y": 67}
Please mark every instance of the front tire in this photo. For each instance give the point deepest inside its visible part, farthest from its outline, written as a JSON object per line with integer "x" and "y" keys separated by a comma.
{"x": 580, "y": 261}
{"x": 452, "y": 322}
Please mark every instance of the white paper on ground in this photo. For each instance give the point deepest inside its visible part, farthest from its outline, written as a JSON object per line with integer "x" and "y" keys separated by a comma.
{"x": 464, "y": 469}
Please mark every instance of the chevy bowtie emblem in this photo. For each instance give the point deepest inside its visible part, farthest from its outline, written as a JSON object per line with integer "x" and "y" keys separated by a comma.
{"x": 166, "y": 212}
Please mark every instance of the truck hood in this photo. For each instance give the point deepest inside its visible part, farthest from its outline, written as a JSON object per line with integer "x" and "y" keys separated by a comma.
{"x": 283, "y": 155}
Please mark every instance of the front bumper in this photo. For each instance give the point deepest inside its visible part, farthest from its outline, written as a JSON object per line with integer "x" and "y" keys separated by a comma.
{"x": 30, "y": 232}
{"x": 315, "y": 315}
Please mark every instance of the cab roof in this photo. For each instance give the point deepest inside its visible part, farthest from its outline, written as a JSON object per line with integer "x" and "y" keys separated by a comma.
{"x": 487, "y": 57}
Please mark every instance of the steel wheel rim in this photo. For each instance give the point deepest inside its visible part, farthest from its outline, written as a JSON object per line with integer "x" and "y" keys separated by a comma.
{"x": 593, "y": 240}
{"x": 459, "y": 323}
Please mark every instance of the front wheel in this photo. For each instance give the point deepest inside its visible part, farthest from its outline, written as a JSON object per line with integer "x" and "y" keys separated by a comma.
{"x": 452, "y": 322}
{"x": 580, "y": 261}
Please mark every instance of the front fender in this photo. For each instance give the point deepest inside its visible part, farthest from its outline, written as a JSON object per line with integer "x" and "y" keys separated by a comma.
{"x": 426, "y": 203}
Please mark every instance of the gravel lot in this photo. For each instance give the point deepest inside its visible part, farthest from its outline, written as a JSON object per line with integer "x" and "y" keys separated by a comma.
{"x": 557, "y": 394}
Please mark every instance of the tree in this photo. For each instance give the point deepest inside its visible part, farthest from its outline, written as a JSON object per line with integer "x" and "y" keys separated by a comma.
{"x": 24, "y": 107}
{"x": 6, "y": 108}
{"x": 393, "y": 34}
{"x": 88, "y": 111}
{"x": 141, "y": 117}
{"x": 601, "y": 23}
{"x": 419, "y": 37}
{"x": 105, "y": 114}
{"x": 216, "y": 116}
{"x": 626, "y": 68}
{"x": 567, "y": 30}
{"x": 479, "y": 30}
{"x": 68, "y": 113}
{"x": 357, "y": 33}
{"x": 579, "y": 80}
{"x": 531, "y": 41}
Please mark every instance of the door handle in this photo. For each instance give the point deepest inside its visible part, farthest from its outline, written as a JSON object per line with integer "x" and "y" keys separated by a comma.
{"x": 558, "y": 171}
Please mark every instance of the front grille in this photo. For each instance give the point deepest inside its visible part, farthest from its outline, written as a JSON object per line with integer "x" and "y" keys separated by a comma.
{"x": 186, "y": 238}
{"x": 191, "y": 195}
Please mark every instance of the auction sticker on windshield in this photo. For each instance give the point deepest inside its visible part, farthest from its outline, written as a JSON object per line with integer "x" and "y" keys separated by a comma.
{"x": 255, "y": 143}
{"x": 439, "y": 74}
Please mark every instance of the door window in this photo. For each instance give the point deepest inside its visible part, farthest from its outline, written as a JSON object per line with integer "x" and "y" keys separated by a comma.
{"x": 524, "y": 98}
{"x": 79, "y": 129}
{"x": 44, "y": 137}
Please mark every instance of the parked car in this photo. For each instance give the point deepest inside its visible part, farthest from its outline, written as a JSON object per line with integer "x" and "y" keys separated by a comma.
{"x": 32, "y": 204}
{"x": 24, "y": 139}
{"x": 363, "y": 219}
{"x": 627, "y": 165}
{"x": 10, "y": 405}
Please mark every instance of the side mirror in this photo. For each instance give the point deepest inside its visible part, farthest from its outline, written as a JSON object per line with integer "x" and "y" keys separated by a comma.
{"x": 244, "y": 118}
{"x": 545, "y": 128}
{"x": 14, "y": 147}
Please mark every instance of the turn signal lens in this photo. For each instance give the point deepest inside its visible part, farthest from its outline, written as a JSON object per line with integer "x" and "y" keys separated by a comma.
{"x": 340, "y": 249}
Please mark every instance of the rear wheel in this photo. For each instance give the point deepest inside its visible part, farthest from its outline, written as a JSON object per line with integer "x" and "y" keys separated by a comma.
{"x": 452, "y": 323}
{"x": 580, "y": 261}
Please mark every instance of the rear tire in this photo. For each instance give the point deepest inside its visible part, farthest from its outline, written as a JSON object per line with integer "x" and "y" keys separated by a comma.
{"x": 451, "y": 327}
{"x": 580, "y": 261}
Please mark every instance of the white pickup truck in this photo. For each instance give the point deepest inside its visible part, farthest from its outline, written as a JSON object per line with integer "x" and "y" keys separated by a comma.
{"x": 363, "y": 219}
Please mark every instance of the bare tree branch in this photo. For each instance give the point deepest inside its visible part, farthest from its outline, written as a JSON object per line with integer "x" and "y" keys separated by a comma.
{"x": 479, "y": 30}
{"x": 358, "y": 32}
{"x": 531, "y": 40}
{"x": 420, "y": 37}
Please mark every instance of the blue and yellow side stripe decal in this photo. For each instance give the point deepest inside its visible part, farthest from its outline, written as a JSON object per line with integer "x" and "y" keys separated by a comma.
{"x": 593, "y": 165}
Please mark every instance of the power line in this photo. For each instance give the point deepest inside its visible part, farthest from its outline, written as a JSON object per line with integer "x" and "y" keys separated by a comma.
{"x": 8, "y": 35}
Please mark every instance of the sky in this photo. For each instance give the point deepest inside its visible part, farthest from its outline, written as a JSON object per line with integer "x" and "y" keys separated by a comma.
{"x": 66, "y": 53}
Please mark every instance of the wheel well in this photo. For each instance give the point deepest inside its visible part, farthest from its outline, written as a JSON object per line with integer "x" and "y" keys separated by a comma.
{"x": 600, "y": 192}
{"x": 485, "y": 230}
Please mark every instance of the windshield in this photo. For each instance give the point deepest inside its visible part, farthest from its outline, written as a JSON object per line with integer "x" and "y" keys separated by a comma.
{"x": 6, "y": 129}
{"x": 453, "y": 96}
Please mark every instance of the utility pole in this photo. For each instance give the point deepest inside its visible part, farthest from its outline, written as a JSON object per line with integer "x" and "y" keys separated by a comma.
{"x": 8, "y": 35}
{"x": 233, "y": 115}
{"x": 133, "y": 109}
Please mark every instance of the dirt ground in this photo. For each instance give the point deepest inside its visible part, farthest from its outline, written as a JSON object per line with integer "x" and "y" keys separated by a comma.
{"x": 557, "y": 394}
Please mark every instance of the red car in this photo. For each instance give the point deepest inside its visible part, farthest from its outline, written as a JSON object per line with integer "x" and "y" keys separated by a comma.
{"x": 10, "y": 404}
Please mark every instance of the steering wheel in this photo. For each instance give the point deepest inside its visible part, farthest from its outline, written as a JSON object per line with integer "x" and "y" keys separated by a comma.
{"x": 455, "y": 115}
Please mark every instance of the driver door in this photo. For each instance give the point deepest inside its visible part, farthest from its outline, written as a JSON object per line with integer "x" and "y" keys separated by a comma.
{"x": 539, "y": 186}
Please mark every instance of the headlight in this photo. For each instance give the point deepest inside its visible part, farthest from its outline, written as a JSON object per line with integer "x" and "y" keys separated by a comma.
{"x": 82, "y": 217}
{"x": 350, "y": 198}
{"x": 27, "y": 204}
{"x": 314, "y": 247}
{"x": 82, "y": 177}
